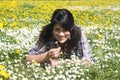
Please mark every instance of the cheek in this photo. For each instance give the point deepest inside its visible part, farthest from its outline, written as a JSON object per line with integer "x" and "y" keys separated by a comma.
{"x": 68, "y": 34}
{"x": 55, "y": 33}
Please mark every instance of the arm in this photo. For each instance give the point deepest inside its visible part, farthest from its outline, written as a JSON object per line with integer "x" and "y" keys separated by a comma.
{"x": 42, "y": 55}
{"x": 35, "y": 54}
{"x": 40, "y": 58}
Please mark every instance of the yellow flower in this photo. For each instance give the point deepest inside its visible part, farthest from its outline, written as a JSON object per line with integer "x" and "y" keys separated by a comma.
{"x": 5, "y": 74}
{"x": 17, "y": 40}
{"x": 6, "y": 23}
{"x": 99, "y": 27}
{"x": 13, "y": 4}
{"x": 34, "y": 62}
{"x": 100, "y": 46}
{"x": 62, "y": 55}
{"x": 99, "y": 35}
{"x": 110, "y": 28}
{"x": 13, "y": 24}
{"x": 18, "y": 51}
{"x": 1, "y": 67}
{"x": 1, "y": 25}
{"x": 1, "y": 79}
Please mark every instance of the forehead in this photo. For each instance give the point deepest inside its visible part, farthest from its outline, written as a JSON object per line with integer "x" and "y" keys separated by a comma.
{"x": 58, "y": 26}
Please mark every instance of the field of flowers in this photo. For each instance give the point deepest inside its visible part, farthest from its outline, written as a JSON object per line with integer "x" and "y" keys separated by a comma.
{"x": 21, "y": 22}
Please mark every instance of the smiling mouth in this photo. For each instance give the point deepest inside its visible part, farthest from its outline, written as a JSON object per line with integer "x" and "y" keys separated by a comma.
{"x": 61, "y": 38}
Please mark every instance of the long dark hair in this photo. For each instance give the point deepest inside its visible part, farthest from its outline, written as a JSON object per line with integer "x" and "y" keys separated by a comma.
{"x": 65, "y": 18}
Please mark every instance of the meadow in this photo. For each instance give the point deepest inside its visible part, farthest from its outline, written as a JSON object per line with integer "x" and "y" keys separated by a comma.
{"x": 22, "y": 21}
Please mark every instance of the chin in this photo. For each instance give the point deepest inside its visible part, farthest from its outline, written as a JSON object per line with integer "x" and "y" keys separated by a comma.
{"x": 62, "y": 42}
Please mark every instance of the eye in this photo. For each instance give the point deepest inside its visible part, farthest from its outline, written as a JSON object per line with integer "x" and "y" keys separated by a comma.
{"x": 65, "y": 30}
{"x": 57, "y": 29}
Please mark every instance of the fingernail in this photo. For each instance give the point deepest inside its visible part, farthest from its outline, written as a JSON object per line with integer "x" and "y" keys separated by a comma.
{"x": 59, "y": 47}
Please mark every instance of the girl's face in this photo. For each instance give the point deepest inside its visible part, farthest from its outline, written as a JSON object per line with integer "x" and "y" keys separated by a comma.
{"x": 60, "y": 33}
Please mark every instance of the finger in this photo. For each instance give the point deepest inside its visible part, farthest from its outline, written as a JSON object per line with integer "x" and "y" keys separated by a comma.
{"x": 56, "y": 49}
{"x": 56, "y": 56}
{"x": 56, "y": 52}
{"x": 59, "y": 48}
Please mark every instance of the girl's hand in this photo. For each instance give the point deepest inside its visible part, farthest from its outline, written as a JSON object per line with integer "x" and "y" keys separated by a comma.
{"x": 54, "y": 53}
{"x": 54, "y": 62}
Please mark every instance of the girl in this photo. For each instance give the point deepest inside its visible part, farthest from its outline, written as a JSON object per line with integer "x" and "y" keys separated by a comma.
{"x": 60, "y": 35}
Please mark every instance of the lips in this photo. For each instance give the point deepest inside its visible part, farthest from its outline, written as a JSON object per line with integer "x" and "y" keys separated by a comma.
{"x": 61, "y": 38}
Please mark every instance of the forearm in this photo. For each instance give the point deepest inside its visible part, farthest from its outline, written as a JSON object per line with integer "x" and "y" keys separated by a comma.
{"x": 41, "y": 58}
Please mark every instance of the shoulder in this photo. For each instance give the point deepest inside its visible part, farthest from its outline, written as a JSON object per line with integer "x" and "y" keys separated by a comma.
{"x": 82, "y": 30}
{"x": 80, "y": 27}
{"x": 82, "y": 33}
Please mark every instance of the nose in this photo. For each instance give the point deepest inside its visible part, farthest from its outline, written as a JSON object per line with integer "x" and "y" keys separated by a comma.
{"x": 61, "y": 33}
